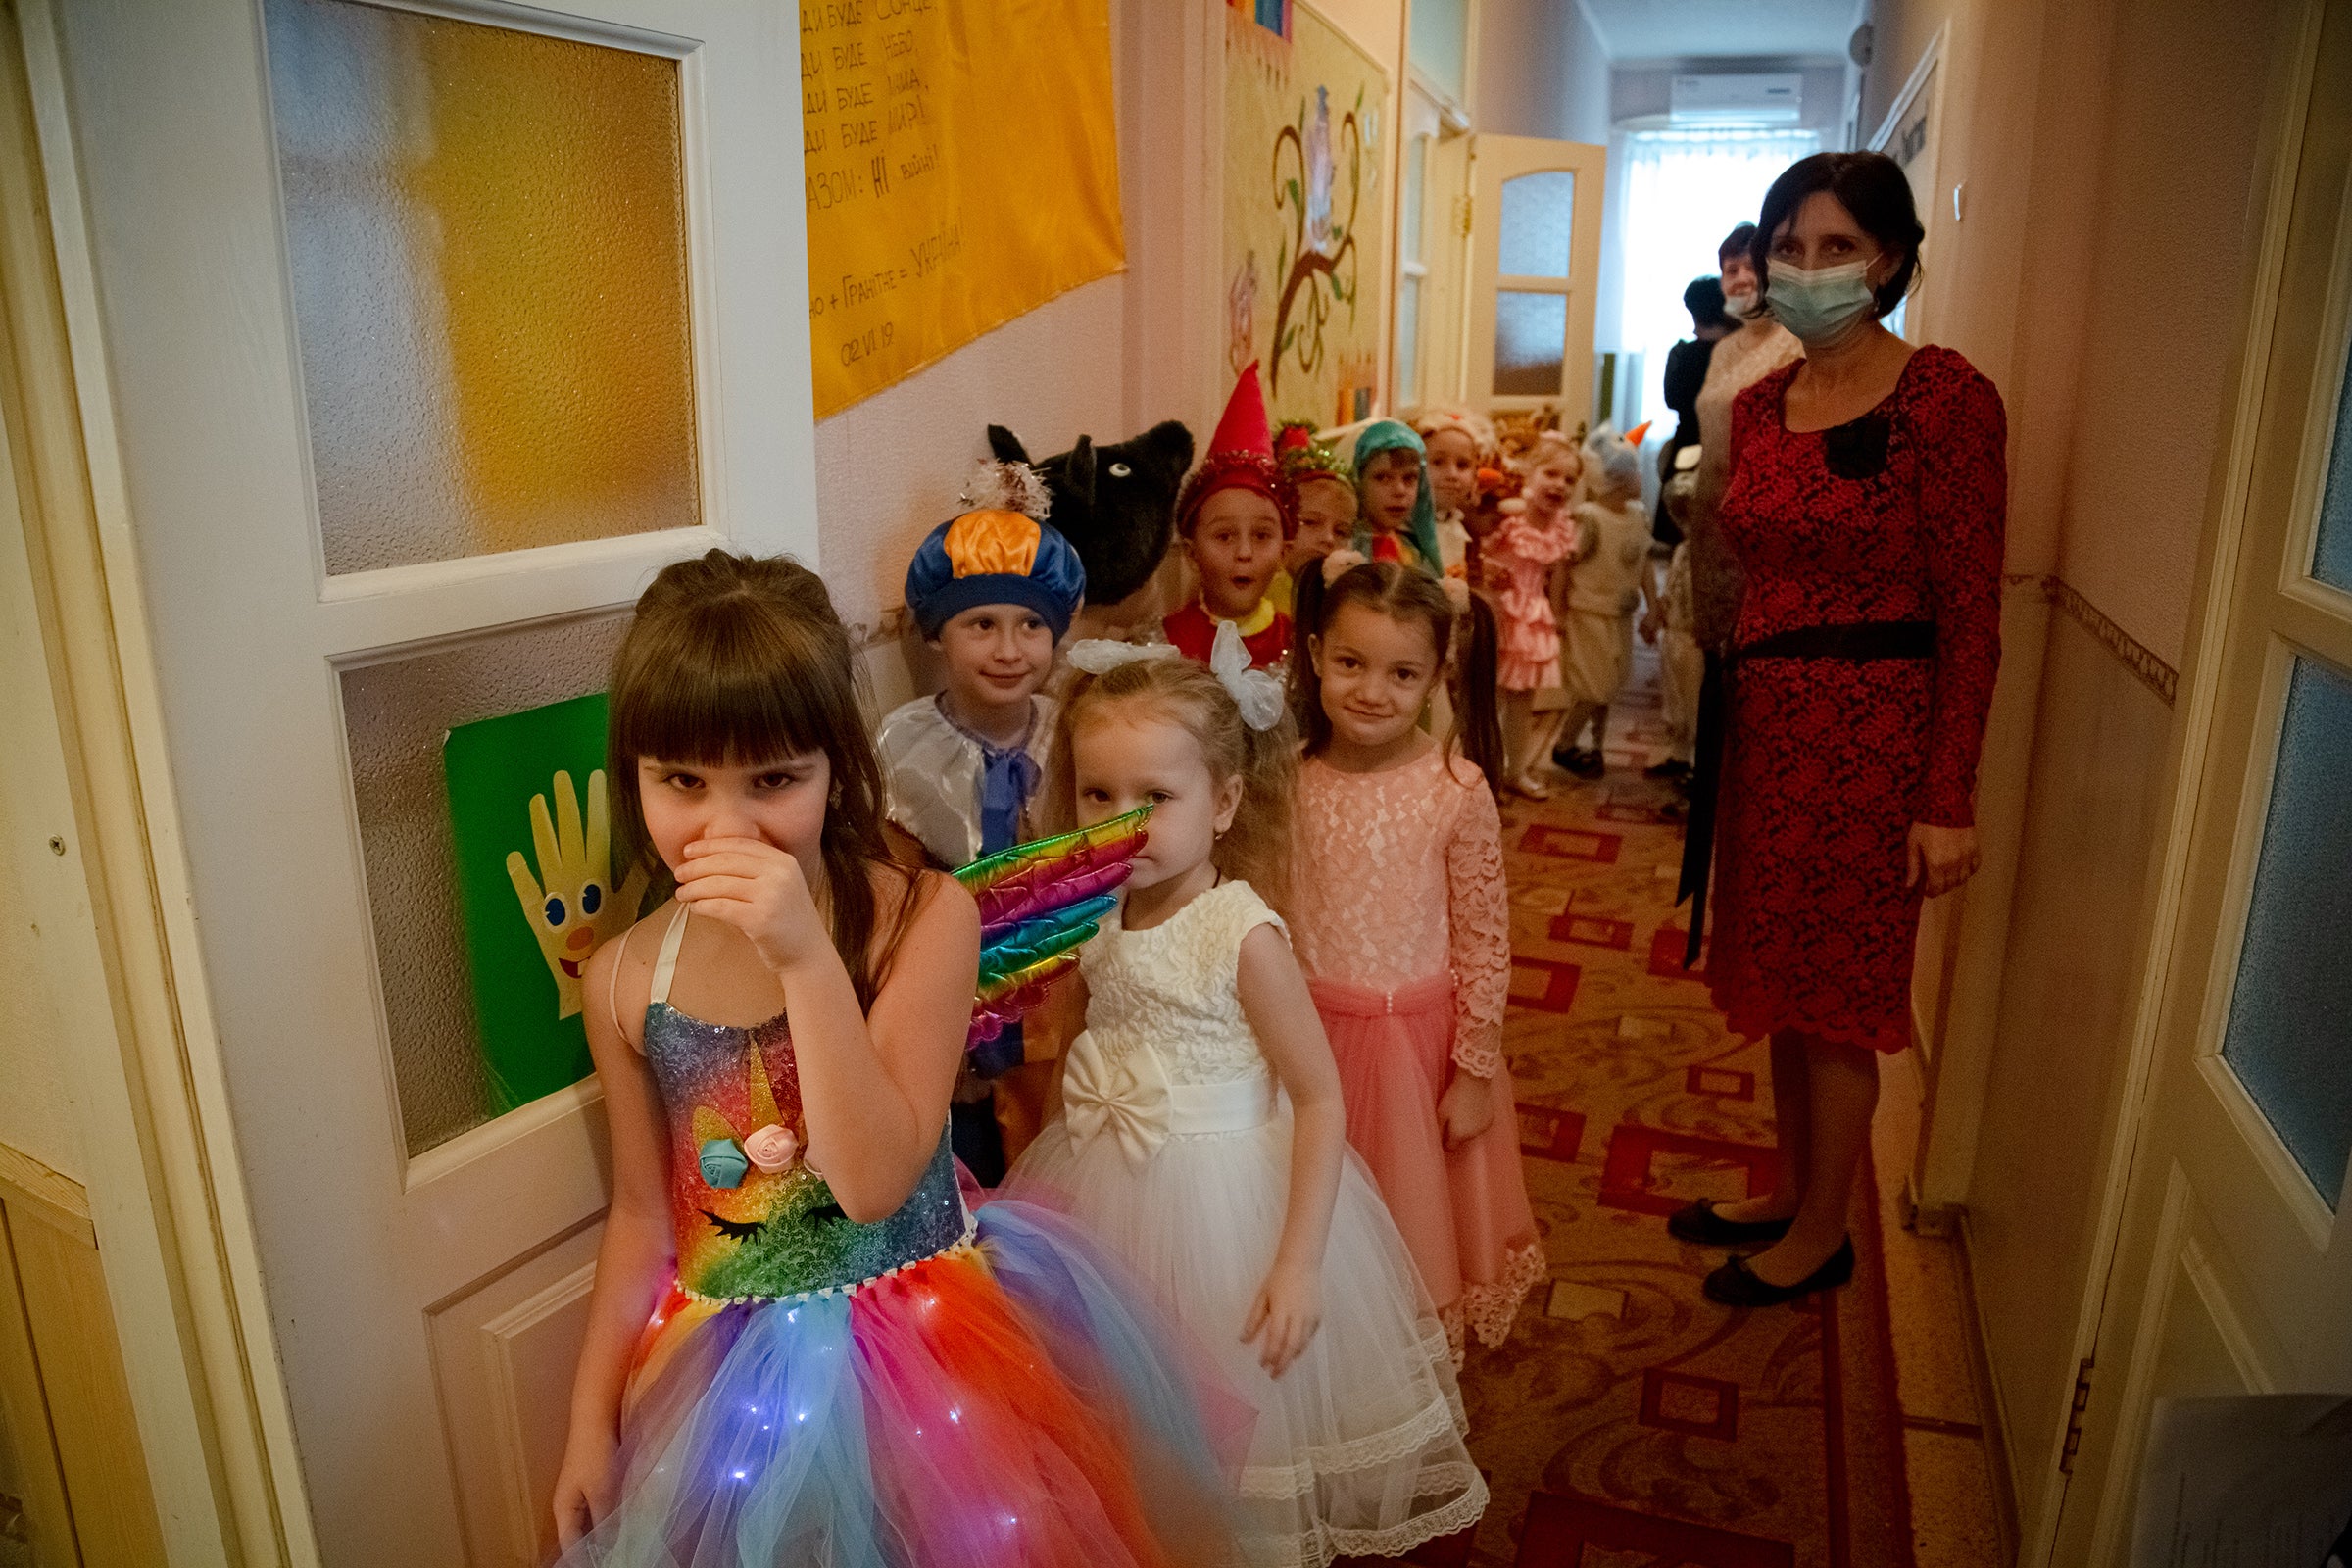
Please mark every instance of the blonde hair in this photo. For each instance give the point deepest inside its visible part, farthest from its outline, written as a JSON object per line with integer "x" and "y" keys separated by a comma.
{"x": 1549, "y": 444}
{"x": 1257, "y": 849}
{"x": 1467, "y": 423}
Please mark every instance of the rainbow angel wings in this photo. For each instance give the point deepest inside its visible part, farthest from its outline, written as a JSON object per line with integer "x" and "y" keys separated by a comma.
{"x": 1039, "y": 903}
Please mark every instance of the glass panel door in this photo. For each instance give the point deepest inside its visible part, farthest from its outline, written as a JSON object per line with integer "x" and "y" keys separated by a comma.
{"x": 2232, "y": 1234}
{"x": 1534, "y": 215}
{"x": 486, "y": 239}
{"x": 2289, "y": 1035}
{"x": 502, "y": 310}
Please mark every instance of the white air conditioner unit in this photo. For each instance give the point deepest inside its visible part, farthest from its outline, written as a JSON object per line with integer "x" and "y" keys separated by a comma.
{"x": 1736, "y": 100}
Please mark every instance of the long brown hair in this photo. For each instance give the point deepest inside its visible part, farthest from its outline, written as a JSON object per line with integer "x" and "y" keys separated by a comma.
{"x": 1402, "y": 593}
{"x": 735, "y": 659}
{"x": 1257, "y": 849}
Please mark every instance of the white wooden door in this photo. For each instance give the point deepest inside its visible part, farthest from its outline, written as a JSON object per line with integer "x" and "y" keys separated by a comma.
{"x": 2234, "y": 1270}
{"x": 1441, "y": 308}
{"x": 1535, "y": 266}
{"x": 432, "y": 331}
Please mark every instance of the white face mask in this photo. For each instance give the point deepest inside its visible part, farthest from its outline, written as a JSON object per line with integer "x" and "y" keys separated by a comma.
{"x": 1821, "y": 305}
{"x": 1741, "y": 306}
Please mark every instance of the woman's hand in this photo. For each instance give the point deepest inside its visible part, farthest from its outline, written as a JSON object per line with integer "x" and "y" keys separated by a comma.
{"x": 1284, "y": 1316}
{"x": 761, "y": 892}
{"x": 1466, "y": 1108}
{"x": 584, "y": 1482}
{"x": 1942, "y": 857}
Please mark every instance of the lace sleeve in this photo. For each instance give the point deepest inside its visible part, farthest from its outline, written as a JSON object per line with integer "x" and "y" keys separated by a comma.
{"x": 1964, "y": 492}
{"x": 1478, "y": 909}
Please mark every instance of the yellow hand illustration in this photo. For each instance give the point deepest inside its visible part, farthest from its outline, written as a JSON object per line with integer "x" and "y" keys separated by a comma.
{"x": 578, "y": 911}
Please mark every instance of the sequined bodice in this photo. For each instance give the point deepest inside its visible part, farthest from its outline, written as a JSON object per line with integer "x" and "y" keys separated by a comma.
{"x": 732, "y": 1096}
{"x": 1175, "y": 986}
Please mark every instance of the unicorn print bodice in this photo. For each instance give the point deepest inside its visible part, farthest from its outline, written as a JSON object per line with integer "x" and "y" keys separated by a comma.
{"x": 755, "y": 1218}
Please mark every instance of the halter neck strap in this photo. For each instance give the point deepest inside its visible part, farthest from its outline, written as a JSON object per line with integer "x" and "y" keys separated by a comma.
{"x": 665, "y": 962}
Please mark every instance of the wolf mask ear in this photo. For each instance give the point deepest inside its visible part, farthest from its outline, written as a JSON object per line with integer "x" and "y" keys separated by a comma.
{"x": 1004, "y": 446}
{"x": 1078, "y": 472}
{"x": 1171, "y": 443}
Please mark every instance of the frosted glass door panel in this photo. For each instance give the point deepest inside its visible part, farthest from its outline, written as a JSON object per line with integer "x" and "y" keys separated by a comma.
{"x": 1531, "y": 342}
{"x": 2332, "y": 561}
{"x": 396, "y": 716}
{"x": 2289, "y": 1038}
{"x": 1539, "y": 225}
{"x": 486, "y": 235}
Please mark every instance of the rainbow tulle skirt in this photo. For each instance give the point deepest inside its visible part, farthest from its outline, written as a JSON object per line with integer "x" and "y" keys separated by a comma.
{"x": 1006, "y": 1403}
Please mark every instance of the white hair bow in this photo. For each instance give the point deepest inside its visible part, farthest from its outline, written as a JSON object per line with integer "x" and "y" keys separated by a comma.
{"x": 1099, "y": 655}
{"x": 1255, "y": 693}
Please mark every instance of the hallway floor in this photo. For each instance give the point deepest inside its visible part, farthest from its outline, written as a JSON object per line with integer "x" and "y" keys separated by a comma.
{"x": 1629, "y": 1420}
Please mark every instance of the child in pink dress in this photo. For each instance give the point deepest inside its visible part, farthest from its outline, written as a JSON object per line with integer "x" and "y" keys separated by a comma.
{"x": 1404, "y": 927}
{"x": 1520, "y": 558}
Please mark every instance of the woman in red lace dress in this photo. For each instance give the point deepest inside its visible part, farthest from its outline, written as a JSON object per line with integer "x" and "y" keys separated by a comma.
{"x": 1866, "y": 506}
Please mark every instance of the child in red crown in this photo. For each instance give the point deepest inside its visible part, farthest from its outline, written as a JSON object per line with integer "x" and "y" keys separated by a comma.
{"x": 1234, "y": 514}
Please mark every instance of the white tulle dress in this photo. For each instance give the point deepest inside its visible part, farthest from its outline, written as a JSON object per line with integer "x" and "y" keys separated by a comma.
{"x": 1174, "y": 1149}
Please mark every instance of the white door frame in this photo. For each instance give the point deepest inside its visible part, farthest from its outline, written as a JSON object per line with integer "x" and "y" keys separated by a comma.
{"x": 2045, "y": 1494}
{"x": 174, "y": 1232}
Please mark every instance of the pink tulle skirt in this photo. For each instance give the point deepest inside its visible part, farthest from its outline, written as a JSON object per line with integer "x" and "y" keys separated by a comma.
{"x": 1463, "y": 1213}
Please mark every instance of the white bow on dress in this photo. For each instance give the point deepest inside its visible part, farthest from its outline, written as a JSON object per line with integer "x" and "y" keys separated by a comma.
{"x": 1128, "y": 1098}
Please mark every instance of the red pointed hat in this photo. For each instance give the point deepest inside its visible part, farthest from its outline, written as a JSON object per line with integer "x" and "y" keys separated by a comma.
{"x": 1239, "y": 457}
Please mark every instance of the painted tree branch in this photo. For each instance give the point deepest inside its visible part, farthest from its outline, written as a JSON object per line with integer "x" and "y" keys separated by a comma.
{"x": 1307, "y": 264}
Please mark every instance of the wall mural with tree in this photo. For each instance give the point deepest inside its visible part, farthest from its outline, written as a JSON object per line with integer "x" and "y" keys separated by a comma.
{"x": 1305, "y": 263}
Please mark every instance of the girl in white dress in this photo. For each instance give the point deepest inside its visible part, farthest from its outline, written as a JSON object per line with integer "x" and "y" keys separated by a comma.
{"x": 1204, "y": 1134}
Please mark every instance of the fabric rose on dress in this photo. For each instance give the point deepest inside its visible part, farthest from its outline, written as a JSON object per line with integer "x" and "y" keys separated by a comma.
{"x": 773, "y": 1149}
{"x": 723, "y": 1162}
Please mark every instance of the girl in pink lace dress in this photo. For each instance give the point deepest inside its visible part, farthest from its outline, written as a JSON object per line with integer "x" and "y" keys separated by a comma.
{"x": 1404, "y": 927}
{"x": 1520, "y": 557}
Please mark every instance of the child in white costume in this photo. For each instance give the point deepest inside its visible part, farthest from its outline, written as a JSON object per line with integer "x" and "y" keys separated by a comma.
{"x": 1205, "y": 1136}
{"x": 1612, "y": 553}
{"x": 993, "y": 590}
{"x": 1672, "y": 622}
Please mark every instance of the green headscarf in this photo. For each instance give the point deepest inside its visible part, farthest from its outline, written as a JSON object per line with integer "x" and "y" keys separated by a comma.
{"x": 1388, "y": 435}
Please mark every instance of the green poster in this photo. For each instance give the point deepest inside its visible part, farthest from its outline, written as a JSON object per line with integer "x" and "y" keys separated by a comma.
{"x": 531, "y": 819}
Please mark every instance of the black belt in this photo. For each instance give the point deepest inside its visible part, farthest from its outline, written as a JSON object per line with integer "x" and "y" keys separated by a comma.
{"x": 1857, "y": 642}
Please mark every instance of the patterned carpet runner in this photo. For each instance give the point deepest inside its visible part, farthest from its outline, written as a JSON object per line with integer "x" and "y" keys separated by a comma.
{"x": 1629, "y": 1420}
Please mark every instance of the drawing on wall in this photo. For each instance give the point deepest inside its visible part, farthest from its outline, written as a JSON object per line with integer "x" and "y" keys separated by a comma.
{"x": 1303, "y": 261}
{"x": 932, "y": 219}
{"x": 535, "y": 883}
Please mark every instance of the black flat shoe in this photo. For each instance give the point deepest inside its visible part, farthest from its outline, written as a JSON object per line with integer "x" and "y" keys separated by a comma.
{"x": 1699, "y": 1224}
{"x": 1587, "y": 765}
{"x": 1732, "y": 1285}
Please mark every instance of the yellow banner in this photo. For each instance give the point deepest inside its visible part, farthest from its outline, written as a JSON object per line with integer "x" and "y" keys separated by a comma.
{"x": 963, "y": 167}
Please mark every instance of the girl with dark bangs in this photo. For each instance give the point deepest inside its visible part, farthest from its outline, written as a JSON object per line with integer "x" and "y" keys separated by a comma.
{"x": 804, "y": 1345}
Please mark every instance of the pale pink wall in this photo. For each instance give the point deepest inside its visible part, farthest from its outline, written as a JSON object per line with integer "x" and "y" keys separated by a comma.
{"x": 1541, "y": 72}
{"x": 1375, "y": 26}
{"x": 2175, "y": 224}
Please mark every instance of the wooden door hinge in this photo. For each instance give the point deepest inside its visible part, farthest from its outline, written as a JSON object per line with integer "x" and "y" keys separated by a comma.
{"x": 1466, "y": 216}
{"x": 2074, "y": 1418}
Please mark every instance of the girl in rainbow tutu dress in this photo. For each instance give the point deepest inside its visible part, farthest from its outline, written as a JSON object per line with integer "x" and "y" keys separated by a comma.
{"x": 804, "y": 1347}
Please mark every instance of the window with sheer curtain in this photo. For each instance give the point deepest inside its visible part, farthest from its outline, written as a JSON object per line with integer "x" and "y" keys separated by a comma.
{"x": 1683, "y": 191}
